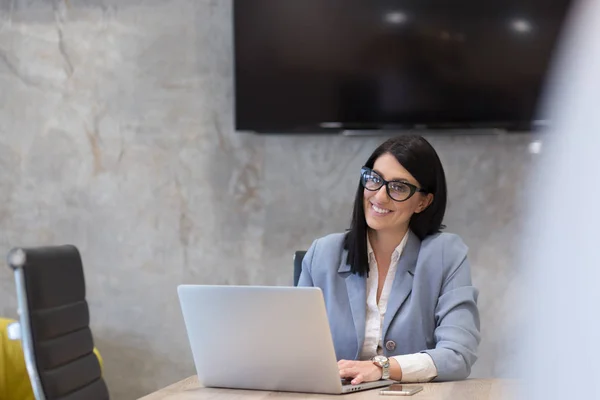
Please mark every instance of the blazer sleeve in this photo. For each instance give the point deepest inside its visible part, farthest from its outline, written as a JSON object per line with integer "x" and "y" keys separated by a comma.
{"x": 457, "y": 317}
{"x": 306, "y": 274}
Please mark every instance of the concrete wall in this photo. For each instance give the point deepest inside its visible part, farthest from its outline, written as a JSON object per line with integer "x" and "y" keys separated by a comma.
{"x": 116, "y": 135}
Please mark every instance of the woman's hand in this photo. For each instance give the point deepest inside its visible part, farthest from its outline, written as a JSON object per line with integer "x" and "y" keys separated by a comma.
{"x": 359, "y": 371}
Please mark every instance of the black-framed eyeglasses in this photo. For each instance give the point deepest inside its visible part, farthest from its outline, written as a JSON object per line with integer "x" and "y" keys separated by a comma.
{"x": 396, "y": 190}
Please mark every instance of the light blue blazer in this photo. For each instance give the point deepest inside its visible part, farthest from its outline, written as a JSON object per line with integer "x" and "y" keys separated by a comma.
{"x": 432, "y": 307}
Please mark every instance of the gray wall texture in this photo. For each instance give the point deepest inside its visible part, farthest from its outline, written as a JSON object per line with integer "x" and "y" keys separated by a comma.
{"x": 116, "y": 135}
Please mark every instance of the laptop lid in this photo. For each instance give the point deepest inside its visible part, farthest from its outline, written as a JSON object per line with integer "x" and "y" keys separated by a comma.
{"x": 265, "y": 338}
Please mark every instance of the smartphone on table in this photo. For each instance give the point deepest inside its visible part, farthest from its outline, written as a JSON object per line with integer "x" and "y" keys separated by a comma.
{"x": 401, "y": 390}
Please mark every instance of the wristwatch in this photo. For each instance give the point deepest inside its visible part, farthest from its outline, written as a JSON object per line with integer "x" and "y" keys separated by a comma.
{"x": 384, "y": 363}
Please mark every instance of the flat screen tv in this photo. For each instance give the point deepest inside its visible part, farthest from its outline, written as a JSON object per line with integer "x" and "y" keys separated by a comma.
{"x": 334, "y": 65}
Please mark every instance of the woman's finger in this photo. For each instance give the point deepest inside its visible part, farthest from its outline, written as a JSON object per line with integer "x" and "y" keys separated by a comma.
{"x": 348, "y": 373}
{"x": 358, "y": 379}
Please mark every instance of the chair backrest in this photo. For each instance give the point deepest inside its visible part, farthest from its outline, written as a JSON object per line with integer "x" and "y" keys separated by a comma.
{"x": 54, "y": 324}
{"x": 298, "y": 257}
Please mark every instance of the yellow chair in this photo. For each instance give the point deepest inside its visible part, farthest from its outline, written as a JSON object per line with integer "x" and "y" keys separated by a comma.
{"x": 54, "y": 322}
{"x": 14, "y": 379}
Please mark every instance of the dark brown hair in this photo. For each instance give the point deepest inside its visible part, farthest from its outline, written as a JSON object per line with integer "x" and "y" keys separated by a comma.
{"x": 419, "y": 158}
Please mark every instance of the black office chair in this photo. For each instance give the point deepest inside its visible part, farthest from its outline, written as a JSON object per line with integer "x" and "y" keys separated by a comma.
{"x": 298, "y": 257}
{"x": 54, "y": 324}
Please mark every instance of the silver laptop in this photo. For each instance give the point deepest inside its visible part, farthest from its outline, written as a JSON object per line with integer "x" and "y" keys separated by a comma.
{"x": 264, "y": 338}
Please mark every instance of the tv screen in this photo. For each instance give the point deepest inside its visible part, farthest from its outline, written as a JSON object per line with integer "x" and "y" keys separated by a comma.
{"x": 313, "y": 65}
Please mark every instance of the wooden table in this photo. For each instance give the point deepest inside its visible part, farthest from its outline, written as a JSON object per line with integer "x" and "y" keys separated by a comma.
{"x": 475, "y": 389}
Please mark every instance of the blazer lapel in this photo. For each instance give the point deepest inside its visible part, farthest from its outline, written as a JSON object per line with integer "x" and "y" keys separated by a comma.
{"x": 403, "y": 280}
{"x": 357, "y": 295}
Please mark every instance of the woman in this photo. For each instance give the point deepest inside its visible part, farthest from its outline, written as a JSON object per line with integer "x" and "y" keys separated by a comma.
{"x": 398, "y": 292}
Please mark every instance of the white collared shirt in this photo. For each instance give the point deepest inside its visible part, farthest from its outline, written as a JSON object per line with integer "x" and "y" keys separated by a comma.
{"x": 418, "y": 367}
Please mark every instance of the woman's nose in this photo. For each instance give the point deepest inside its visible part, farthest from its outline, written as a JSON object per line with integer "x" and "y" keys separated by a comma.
{"x": 382, "y": 195}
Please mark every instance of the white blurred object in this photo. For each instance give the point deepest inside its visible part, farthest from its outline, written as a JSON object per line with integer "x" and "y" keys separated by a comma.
{"x": 395, "y": 17}
{"x": 535, "y": 147}
{"x": 521, "y": 25}
{"x": 561, "y": 353}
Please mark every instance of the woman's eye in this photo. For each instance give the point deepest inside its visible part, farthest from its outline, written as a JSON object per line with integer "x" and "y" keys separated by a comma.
{"x": 400, "y": 188}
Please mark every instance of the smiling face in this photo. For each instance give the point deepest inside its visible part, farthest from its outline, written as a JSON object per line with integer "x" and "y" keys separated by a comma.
{"x": 381, "y": 212}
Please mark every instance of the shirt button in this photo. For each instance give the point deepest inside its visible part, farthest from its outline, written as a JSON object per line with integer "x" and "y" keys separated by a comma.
{"x": 390, "y": 345}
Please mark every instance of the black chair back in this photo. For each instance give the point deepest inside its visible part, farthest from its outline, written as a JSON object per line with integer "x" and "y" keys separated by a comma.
{"x": 54, "y": 318}
{"x": 298, "y": 257}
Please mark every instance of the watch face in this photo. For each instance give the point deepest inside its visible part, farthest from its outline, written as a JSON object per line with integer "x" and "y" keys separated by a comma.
{"x": 380, "y": 359}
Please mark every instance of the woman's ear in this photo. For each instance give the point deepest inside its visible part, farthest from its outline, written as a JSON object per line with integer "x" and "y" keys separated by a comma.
{"x": 424, "y": 203}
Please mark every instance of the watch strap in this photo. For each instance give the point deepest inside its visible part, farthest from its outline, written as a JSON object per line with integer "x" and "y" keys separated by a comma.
{"x": 384, "y": 363}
